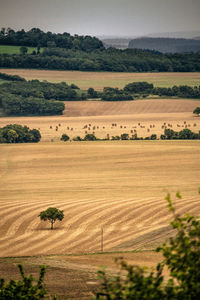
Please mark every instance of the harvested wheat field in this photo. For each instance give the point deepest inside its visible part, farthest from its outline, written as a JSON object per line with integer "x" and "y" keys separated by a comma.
{"x": 114, "y": 187}
{"x": 119, "y": 186}
{"x": 104, "y": 119}
{"x": 98, "y": 80}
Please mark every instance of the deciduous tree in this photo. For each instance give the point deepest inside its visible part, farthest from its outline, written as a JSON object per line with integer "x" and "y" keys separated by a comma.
{"x": 51, "y": 214}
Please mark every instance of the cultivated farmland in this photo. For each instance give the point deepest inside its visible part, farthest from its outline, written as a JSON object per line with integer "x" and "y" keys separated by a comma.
{"x": 99, "y": 80}
{"x": 144, "y": 117}
{"x": 117, "y": 186}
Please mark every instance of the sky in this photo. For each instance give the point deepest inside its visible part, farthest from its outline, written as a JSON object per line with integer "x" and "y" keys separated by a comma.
{"x": 102, "y": 17}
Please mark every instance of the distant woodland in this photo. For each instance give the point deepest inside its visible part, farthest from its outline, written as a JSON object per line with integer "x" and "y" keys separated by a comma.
{"x": 166, "y": 45}
{"x": 19, "y": 97}
{"x": 85, "y": 53}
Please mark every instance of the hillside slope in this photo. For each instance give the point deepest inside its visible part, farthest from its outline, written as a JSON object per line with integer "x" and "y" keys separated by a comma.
{"x": 166, "y": 45}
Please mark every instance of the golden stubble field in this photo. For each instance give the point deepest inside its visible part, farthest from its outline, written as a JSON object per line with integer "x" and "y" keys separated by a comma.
{"x": 104, "y": 119}
{"x": 115, "y": 185}
{"x": 119, "y": 186}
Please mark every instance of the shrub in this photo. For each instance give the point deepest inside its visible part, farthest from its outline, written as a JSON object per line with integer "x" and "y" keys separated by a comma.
{"x": 185, "y": 134}
{"x": 24, "y": 288}
{"x": 74, "y": 86}
{"x": 90, "y": 137}
{"x": 115, "y": 94}
{"x": 77, "y": 138}
{"x": 14, "y": 133}
{"x": 64, "y": 137}
{"x": 115, "y": 138}
{"x": 124, "y": 136}
{"x": 139, "y": 87}
{"x": 196, "y": 111}
{"x": 153, "y": 137}
{"x": 92, "y": 93}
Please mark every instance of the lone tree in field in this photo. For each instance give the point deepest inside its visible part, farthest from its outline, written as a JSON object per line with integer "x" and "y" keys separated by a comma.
{"x": 51, "y": 214}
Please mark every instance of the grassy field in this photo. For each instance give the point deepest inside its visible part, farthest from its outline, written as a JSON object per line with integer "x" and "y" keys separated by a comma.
{"x": 99, "y": 80}
{"x": 6, "y": 49}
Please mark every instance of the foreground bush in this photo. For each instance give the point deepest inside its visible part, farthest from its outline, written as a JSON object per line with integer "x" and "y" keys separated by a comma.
{"x": 181, "y": 256}
{"x": 24, "y": 288}
{"x": 15, "y": 133}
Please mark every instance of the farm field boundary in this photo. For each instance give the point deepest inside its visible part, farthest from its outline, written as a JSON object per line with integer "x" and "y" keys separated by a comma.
{"x": 99, "y": 80}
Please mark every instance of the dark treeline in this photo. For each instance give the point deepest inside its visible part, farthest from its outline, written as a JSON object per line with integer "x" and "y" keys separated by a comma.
{"x": 111, "y": 59}
{"x": 139, "y": 87}
{"x": 185, "y": 134}
{"x": 86, "y": 53}
{"x": 137, "y": 90}
{"x": 182, "y": 91}
{"x": 8, "y": 77}
{"x": 22, "y": 106}
{"x": 169, "y": 134}
{"x": 57, "y": 91}
{"x": 37, "y": 38}
{"x": 35, "y": 97}
{"x": 21, "y": 97}
{"x": 145, "y": 88}
{"x": 115, "y": 94}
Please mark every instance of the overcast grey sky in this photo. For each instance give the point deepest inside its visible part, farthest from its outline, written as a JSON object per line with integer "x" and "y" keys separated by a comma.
{"x": 102, "y": 17}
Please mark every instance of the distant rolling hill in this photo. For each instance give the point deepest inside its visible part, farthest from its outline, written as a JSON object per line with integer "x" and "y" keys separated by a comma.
{"x": 166, "y": 45}
{"x": 123, "y": 41}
